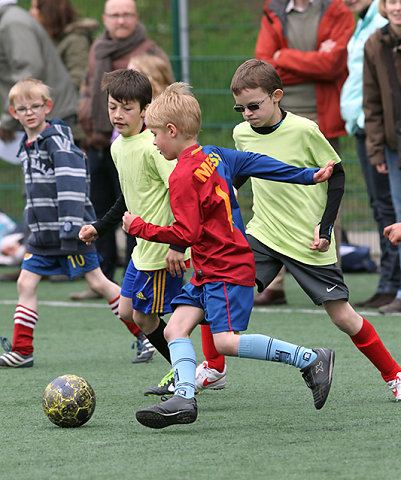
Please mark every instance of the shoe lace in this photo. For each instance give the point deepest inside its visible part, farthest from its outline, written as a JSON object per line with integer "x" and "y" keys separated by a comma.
{"x": 6, "y": 344}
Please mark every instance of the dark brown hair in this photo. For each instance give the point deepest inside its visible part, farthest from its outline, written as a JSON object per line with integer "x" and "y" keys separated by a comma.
{"x": 55, "y": 15}
{"x": 126, "y": 85}
{"x": 253, "y": 74}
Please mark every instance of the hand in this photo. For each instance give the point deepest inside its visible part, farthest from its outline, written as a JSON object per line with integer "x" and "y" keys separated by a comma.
{"x": 6, "y": 135}
{"x": 175, "y": 263}
{"x": 382, "y": 168}
{"x": 327, "y": 45}
{"x": 320, "y": 244}
{"x": 87, "y": 234}
{"x": 324, "y": 173}
{"x": 393, "y": 233}
{"x": 128, "y": 218}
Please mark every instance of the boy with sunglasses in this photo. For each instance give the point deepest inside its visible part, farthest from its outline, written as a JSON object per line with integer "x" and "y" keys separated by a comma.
{"x": 297, "y": 231}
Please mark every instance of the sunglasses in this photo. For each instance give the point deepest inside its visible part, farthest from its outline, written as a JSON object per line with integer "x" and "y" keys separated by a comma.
{"x": 252, "y": 106}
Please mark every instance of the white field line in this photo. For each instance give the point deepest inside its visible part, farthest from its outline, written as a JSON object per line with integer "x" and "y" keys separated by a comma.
{"x": 309, "y": 311}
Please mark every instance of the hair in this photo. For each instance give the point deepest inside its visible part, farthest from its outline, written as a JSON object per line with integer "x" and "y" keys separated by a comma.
{"x": 156, "y": 68}
{"x": 55, "y": 15}
{"x": 253, "y": 74}
{"x": 126, "y": 85}
{"x": 28, "y": 88}
{"x": 382, "y": 8}
{"x": 176, "y": 105}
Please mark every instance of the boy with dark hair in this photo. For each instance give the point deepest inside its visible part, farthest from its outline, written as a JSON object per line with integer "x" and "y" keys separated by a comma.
{"x": 208, "y": 219}
{"x": 148, "y": 287}
{"x": 282, "y": 237}
{"x": 57, "y": 191}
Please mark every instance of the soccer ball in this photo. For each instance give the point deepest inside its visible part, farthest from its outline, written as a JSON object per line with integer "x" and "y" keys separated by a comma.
{"x": 69, "y": 401}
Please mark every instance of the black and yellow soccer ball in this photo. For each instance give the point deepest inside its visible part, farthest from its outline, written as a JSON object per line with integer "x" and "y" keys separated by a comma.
{"x": 69, "y": 401}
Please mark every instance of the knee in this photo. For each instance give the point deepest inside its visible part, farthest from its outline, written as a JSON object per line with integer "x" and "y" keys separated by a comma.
{"x": 125, "y": 312}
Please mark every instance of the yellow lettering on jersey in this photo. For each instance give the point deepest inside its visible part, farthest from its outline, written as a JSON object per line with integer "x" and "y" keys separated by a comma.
{"x": 207, "y": 167}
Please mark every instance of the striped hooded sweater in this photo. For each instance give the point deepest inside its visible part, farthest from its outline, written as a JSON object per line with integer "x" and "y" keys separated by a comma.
{"x": 57, "y": 192}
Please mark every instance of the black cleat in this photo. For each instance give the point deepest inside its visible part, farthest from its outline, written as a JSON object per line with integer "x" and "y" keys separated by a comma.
{"x": 319, "y": 374}
{"x": 175, "y": 410}
{"x": 164, "y": 388}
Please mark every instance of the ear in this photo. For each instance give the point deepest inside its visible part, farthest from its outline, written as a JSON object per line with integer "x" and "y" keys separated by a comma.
{"x": 48, "y": 106}
{"x": 277, "y": 95}
{"x": 13, "y": 113}
{"x": 143, "y": 111}
{"x": 171, "y": 130}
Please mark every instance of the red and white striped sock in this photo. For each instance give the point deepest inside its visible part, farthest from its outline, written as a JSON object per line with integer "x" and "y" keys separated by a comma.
{"x": 24, "y": 323}
{"x": 132, "y": 326}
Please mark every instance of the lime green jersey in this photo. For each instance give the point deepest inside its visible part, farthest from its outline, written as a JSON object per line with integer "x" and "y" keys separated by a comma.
{"x": 285, "y": 215}
{"x": 143, "y": 173}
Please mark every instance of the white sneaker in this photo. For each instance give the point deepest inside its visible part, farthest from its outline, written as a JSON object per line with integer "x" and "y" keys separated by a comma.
{"x": 209, "y": 378}
{"x": 395, "y": 387}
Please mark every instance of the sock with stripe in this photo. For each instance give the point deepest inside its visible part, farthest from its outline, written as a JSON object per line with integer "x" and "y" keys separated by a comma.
{"x": 262, "y": 347}
{"x": 156, "y": 338}
{"x": 24, "y": 323}
{"x": 368, "y": 342}
{"x": 132, "y": 326}
{"x": 183, "y": 360}
{"x": 214, "y": 359}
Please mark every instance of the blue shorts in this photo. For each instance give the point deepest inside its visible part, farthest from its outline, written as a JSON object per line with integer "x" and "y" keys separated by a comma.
{"x": 227, "y": 306}
{"x": 70, "y": 265}
{"x": 151, "y": 291}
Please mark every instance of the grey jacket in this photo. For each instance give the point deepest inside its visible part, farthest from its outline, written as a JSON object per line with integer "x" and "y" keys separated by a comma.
{"x": 26, "y": 50}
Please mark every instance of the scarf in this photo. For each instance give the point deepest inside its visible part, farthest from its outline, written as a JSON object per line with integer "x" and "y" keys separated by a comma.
{"x": 106, "y": 51}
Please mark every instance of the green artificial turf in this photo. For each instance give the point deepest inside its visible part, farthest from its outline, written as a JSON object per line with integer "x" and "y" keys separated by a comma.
{"x": 262, "y": 426}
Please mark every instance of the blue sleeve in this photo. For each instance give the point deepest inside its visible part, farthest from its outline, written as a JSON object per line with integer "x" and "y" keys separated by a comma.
{"x": 262, "y": 166}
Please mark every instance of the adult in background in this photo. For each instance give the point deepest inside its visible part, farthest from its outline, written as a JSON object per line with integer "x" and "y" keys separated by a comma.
{"x": 382, "y": 108}
{"x": 124, "y": 36}
{"x": 377, "y": 185}
{"x": 306, "y": 41}
{"x": 27, "y": 51}
{"x": 72, "y": 37}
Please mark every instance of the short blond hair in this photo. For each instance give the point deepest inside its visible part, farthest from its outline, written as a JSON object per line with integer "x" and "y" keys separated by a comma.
{"x": 157, "y": 69}
{"x": 28, "y": 88}
{"x": 176, "y": 105}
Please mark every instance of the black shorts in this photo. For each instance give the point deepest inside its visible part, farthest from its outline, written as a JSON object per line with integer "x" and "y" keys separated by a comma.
{"x": 320, "y": 282}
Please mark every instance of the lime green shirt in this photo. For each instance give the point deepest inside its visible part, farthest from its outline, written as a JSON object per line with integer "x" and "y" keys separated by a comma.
{"x": 285, "y": 215}
{"x": 143, "y": 173}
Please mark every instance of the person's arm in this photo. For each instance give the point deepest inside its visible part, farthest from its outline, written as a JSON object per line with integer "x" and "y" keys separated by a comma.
{"x": 70, "y": 173}
{"x": 268, "y": 168}
{"x": 372, "y": 106}
{"x": 23, "y": 52}
{"x": 335, "y": 191}
{"x": 294, "y": 66}
{"x": 112, "y": 218}
{"x": 186, "y": 229}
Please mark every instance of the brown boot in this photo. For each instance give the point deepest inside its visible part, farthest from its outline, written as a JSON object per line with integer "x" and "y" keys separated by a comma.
{"x": 270, "y": 297}
{"x": 378, "y": 300}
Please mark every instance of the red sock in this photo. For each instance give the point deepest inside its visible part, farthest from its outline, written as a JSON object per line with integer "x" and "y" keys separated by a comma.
{"x": 369, "y": 343}
{"x": 132, "y": 326}
{"x": 24, "y": 322}
{"x": 214, "y": 358}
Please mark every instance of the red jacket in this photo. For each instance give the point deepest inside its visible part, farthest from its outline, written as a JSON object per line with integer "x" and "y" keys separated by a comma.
{"x": 328, "y": 70}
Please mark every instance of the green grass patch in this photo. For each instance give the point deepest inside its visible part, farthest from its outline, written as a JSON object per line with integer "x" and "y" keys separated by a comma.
{"x": 263, "y": 425}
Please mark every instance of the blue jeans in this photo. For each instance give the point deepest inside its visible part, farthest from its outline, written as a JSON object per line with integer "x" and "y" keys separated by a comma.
{"x": 378, "y": 189}
{"x": 394, "y": 174}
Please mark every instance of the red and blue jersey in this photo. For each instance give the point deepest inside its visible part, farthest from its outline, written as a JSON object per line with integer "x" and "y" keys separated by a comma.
{"x": 206, "y": 212}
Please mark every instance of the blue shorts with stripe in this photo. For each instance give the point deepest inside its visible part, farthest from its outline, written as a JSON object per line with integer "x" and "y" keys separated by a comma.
{"x": 151, "y": 291}
{"x": 227, "y": 306}
{"x": 70, "y": 265}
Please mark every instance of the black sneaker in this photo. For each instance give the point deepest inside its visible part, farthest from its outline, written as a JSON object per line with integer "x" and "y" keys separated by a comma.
{"x": 175, "y": 410}
{"x": 165, "y": 387}
{"x": 319, "y": 374}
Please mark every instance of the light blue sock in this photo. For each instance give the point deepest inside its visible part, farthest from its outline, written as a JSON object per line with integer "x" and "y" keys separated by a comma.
{"x": 262, "y": 347}
{"x": 183, "y": 360}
